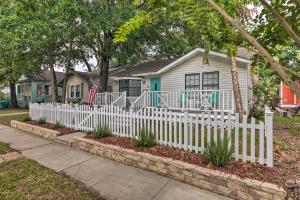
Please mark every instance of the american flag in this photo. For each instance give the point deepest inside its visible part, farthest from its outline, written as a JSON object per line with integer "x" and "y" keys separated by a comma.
{"x": 92, "y": 92}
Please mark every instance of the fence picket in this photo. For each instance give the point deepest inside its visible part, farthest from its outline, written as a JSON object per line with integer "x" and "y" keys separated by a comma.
{"x": 244, "y": 138}
{"x": 188, "y": 131}
{"x": 252, "y": 142}
{"x": 236, "y": 136}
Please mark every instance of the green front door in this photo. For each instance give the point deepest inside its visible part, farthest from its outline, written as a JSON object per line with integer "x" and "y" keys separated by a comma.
{"x": 155, "y": 91}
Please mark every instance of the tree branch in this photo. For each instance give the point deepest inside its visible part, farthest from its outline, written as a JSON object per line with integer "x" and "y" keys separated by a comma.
{"x": 282, "y": 22}
{"x": 262, "y": 51}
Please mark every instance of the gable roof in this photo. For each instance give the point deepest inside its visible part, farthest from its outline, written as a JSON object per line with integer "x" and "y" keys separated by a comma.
{"x": 44, "y": 76}
{"x": 202, "y": 51}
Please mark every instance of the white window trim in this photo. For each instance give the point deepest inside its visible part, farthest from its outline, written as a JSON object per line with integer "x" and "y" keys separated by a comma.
{"x": 70, "y": 87}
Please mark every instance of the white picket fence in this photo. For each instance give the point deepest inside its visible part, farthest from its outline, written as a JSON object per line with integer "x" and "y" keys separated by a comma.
{"x": 251, "y": 141}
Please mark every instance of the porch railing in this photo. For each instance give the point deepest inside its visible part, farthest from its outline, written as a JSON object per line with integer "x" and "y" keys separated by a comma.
{"x": 21, "y": 97}
{"x": 110, "y": 98}
{"x": 204, "y": 100}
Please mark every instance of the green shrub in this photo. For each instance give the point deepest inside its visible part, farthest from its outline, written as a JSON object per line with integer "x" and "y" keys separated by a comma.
{"x": 146, "y": 139}
{"x": 26, "y": 118}
{"x": 295, "y": 130}
{"x": 102, "y": 132}
{"x": 41, "y": 120}
{"x": 218, "y": 153}
{"x": 56, "y": 125}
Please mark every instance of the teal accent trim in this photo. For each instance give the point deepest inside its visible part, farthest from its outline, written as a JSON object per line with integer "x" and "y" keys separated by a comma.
{"x": 155, "y": 86}
{"x": 215, "y": 97}
{"x": 34, "y": 92}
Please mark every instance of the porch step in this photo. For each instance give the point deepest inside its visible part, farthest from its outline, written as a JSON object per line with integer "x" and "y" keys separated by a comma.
{"x": 69, "y": 138}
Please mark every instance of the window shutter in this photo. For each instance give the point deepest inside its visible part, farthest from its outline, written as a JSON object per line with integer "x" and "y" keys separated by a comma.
{"x": 81, "y": 91}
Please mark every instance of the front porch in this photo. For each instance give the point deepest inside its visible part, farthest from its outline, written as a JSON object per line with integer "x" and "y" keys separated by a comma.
{"x": 193, "y": 100}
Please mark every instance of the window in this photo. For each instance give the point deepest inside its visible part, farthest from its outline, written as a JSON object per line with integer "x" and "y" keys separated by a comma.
{"x": 131, "y": 87}
{"x": 77, "y": 94}
{"x": 192, "y": 81}
{"x": 47, "y": 90}
{"x": 109, "y": 88}
{"x": 75, "y": 91}
{"x": 210, "y": 81}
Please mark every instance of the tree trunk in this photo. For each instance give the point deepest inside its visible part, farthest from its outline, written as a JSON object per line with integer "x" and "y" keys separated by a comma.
{"x": 13, "y": 95}
{"x": 103, "y": 79}
{"x": 262, "y": 51}
{"x": 64, "y": 100}
{"x": 53, "y": 84}
{"x": 67, "y": 72}
{"x": 236, "y": 88}
{"x": 86, "y": 62}
{"x": 282, "y": 22}
{"x": 103, "y": 73}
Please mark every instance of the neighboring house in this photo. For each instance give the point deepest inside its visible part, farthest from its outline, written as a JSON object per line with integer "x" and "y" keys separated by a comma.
{"x": 37, "y": 88}
{"x": 174, "y": 83}
{"x": 288, "y": 99}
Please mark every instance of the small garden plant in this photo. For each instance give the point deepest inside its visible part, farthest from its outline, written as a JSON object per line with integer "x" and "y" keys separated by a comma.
{"x": 218, "y": 153}
{"x": 56, "y": 125}
{"x": 102, "y": 132}
{"x": 26, "y": 118}
{"x": 146, "y": 138}
{"x": 41, "y": 120}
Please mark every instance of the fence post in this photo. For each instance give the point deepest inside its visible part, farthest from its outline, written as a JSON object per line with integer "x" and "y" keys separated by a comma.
{"x": 105, "y": 100}
{"x": 75, "y": 117}
{"x": 186, "y": 120}
{"x": 269, "y": 135}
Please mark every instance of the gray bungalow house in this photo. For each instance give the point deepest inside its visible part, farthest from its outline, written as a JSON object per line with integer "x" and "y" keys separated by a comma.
{"x": 184, "y": 82}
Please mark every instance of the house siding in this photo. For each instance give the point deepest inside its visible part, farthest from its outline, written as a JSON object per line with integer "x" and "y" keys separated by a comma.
{"x": 174, "y": 79}
{"x": 76, "y": 80}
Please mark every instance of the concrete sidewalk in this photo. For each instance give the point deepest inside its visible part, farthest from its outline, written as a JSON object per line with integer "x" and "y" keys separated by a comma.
{"x": 111, "y": 179}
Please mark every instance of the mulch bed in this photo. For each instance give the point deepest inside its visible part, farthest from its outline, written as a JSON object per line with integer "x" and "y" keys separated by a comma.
{"x": 62, "y": 130}
{"x": 239, "y": 168}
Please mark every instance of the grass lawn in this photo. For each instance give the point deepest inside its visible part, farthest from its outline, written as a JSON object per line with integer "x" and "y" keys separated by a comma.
{"x": 5, "y": 120}
{"x": 4, "y": 148}
{"x": 26, "y": 179}
{"x": 287, "y": 146}
{"x": 10, "y": 111}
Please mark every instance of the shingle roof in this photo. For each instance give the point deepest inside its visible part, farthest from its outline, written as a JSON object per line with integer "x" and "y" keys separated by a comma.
{"x": 142, "y": 68}
{"x": 45, "y": 76}
{"x": 129, "y": 70}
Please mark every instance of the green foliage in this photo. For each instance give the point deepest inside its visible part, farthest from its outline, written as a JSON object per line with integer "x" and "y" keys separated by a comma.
{"x": 146, "y": 138}
{"x": 26, "y": 118}
{"x": 218, "y": 152}
{"x": 41, "y": 120}
{"x": 265, "y": 90}
{"x": 56, "y": 125}
{"x": 295, "y": 130}
{"x": 102, "y": 132}
{"x": 4, "y": 148}
{"x": 292, "y": 125}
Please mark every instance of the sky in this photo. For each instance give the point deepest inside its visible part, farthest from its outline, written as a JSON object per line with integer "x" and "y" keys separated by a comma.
{"x": 80, "y": 66}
